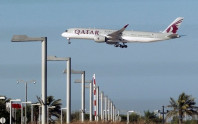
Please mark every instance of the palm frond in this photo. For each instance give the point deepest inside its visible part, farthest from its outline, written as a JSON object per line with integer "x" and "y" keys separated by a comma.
{"x": 185, "y": 104}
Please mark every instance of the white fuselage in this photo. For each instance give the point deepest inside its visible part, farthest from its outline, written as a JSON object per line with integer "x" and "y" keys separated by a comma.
{"x": 127, "y": 36}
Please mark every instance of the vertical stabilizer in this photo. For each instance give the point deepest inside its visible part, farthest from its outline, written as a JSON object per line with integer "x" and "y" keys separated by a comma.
{"x": 174, "y": 26}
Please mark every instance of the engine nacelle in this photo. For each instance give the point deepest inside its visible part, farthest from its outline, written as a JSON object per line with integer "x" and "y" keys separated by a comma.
{"x": 100, "y": 39}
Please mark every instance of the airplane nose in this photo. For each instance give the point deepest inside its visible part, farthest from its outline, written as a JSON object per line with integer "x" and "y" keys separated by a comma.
{"x": 63, "y": 34}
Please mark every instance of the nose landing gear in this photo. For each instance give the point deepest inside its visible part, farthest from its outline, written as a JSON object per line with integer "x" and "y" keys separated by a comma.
{"x": 69, "y": 42}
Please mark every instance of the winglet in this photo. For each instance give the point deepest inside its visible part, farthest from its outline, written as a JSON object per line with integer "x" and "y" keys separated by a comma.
{"x": 126, "y": 26}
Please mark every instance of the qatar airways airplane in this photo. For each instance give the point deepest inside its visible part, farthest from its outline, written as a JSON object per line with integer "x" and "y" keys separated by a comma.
{"x": 119, "y": 38}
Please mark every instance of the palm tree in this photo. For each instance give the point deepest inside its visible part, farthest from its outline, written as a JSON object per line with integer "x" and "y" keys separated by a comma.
{"x": 55, "y": 111}
{"x": 52, "y": 111}
{"x": 184, "y": 105}
{"x": 36, "y": 112}
{"x": 3, "y": 112}
{"x": 134, "y": 117}
{"x": 151, "y": 117}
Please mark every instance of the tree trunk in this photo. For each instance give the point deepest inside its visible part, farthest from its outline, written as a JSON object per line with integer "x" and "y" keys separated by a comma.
{"x": 180, "y": 119}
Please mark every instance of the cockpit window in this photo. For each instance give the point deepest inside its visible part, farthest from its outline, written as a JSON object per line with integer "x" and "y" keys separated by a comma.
{"x": 65, "y": 30}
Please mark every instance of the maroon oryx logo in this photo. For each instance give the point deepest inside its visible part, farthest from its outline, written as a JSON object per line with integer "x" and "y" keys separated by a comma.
{"x": 174, "y": 27}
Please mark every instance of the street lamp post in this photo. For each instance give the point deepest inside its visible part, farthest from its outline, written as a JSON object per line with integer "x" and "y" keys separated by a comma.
{"x": 62, "y": 114}
{"x": 118, "y": 116}
{"x": 24, "y": 38}
{"x": 25, "y": 82}
{"x": 82, "y": 93}
{"x": 13, "y": 100}
{"x": 27, "y": 102}
{"x": 106, "y": 98}
{"x": 68, "y": 76}
{"x": 49, "y": 107}
{"x": 111, "y": 111}
{"x": 32, "y": 112}
{"x": 128, "y": 115}
{"x": 91, "y": 101}
{"x": 115, "y": 113}
{"x": 101, "y": 103}
{"x": 90, "y": 96}
{"x": 2, "y": 97}
{"x": 108, "y": 103}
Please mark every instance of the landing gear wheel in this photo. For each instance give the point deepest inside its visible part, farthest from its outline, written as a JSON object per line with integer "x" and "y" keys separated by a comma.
{"x": 121, "y": 46}
{"x": 124, "y": 46}
{"x": 69, "y": 42}
{"x": 116, "y": 45}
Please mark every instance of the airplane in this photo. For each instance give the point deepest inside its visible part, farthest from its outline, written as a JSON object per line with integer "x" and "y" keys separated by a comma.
{"x": 119, "y": 38}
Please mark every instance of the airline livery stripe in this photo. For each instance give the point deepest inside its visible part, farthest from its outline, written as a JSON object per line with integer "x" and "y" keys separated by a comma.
{"x": 94, "y": 91}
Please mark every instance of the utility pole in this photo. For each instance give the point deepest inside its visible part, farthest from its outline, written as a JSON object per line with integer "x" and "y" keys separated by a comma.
{"x": 163, "y": 114}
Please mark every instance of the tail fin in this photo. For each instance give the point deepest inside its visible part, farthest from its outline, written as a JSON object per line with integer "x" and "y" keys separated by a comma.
{"x": 174, "y": 26}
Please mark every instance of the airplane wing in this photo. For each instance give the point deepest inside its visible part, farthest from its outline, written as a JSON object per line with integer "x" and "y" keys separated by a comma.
{"x": 117, "y": 34}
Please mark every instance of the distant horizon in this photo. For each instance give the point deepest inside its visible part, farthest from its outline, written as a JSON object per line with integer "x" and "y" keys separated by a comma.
{"x": 137, "y": 105}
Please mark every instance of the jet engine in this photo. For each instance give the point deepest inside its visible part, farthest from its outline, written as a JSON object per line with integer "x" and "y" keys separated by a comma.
{"x": 100, "y": 39}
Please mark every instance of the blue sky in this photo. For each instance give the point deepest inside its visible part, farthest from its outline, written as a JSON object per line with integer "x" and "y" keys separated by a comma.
{"x": 143, "y": 76}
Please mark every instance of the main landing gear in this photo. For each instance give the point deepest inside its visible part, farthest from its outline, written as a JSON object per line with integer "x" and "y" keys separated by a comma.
{"x": 120, "y": 45}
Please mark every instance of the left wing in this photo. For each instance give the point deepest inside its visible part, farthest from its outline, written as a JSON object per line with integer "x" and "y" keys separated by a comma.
{"x": 117, "y": 34}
